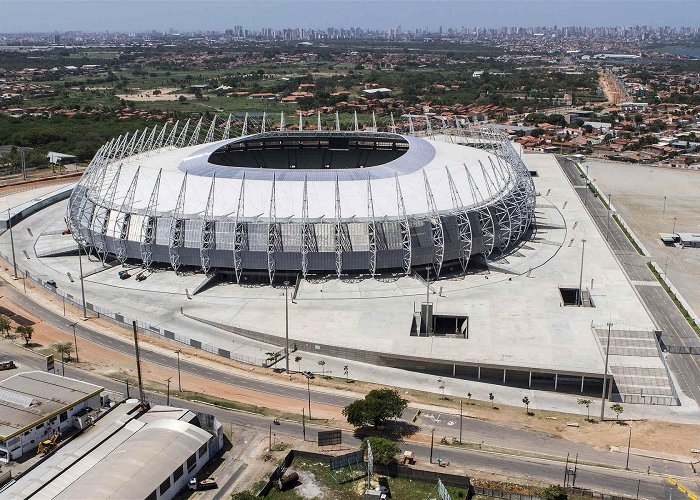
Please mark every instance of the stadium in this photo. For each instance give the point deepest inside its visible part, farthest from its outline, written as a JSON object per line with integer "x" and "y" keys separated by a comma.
{"x": 256, "y": 201}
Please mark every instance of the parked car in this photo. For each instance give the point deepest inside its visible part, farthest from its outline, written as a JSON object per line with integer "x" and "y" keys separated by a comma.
{"x": 308, "y": 374}
{"x": 51, "y": 283}
{"x": 124, "y": 275}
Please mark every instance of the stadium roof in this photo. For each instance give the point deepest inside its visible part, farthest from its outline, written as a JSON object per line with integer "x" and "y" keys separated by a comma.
{"x": 424, "y": 165}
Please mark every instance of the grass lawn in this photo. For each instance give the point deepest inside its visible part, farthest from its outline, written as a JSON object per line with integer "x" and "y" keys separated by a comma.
{"x": 401, "y": 489}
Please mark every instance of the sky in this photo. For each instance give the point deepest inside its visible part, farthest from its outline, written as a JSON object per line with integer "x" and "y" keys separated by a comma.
{"x": 145, "y": 15}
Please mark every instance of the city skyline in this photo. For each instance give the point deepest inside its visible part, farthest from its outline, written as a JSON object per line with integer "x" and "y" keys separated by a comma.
{"x": 140, "y": 16}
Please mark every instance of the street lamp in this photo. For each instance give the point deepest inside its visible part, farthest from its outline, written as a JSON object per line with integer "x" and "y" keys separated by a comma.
{"x": 75, "y": 342}
{"x": 607, "y": 235}
{"x": 629, "y": 443}
{"x": 580, "y": 280}
{"x": 286, "y": 323}
{"x": 179, "y": 384}
{"x": 82, "y": 285}
{"x": 664, "y": 212}
{"x": 308, "y": 390}
{"x": 167, "y": 401}
{"x": 605, "y": 376}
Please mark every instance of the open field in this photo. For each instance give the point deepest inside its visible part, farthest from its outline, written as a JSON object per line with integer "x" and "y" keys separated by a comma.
{"x": 638, "y": 193}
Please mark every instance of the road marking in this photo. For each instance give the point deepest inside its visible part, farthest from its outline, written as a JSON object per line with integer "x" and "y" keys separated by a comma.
{"x": 645, "y": 283}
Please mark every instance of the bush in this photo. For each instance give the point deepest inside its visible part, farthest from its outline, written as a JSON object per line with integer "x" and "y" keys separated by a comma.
{"x": 384, "y": 450}
{"x": 554, "y": 493}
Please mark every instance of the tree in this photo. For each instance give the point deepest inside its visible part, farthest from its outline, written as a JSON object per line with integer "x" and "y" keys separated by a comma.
{"x": 25, "y": 332}
{"x": 376, "y": 408}
{"x": 4, "y": 325}
{"x": 587, "y": 403}
{"x": 526, "y": 402}
{"x": 491, "y": 398}
{"x": 384, "y": 450}
{"x": 617, "y": 408}
{"x": 322, "y": 364}
{"x": 345, "y": 372}
{"x": 297, "y": 360}
{"x": 182, "y": 99}
{"x": 469, "y": 396}
{"x": 64, "y": 349}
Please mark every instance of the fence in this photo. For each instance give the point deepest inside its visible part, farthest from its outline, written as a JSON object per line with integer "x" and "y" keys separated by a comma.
{"x": 142, "y": 326}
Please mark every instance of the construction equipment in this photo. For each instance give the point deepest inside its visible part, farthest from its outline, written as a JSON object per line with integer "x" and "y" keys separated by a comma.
{"x": 48, "y": 445}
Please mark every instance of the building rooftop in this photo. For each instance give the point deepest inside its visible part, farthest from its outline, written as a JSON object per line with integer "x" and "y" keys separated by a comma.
{"x": 27, "y": 399}
{"x": 126, "y": 454}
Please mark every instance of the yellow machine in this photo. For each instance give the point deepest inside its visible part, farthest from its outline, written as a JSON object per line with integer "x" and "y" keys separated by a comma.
{"x": 48, "y": 444}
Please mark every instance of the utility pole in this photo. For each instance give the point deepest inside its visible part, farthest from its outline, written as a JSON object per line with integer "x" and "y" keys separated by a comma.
{"x": 168, "y": 392}
{"x": 270, "y": 446}
{"x": 460, "y": 421}
{"x": 629, "y": 443}
{"x": 75, "y": 341}
{"x": 22, "y": 152}
{"x": 12, "y": 241}
{"x": 672, "y": 232}
{"x": 179, "y": 384}
{"x": 127, "y": 388}
{"x": 580, "y": 281}
{"x": 605, "y": 376}
{"x": 432, "y": 436}
{"x": 142, "y": 396}
{"x": 82, "y": 285}
{"x": 286, "y": 323}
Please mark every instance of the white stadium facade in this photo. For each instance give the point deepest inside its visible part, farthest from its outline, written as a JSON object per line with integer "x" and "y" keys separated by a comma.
{"x": 245, "y": 198}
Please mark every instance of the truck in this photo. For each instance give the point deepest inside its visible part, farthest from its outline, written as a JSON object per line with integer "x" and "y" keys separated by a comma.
{"x": 204, "y": 484}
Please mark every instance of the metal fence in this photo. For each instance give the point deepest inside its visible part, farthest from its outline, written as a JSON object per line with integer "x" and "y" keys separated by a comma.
{"x": 142, "y": 326}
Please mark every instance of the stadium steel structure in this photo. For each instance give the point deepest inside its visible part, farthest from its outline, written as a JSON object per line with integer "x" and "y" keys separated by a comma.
{"x": 240, "y": 197}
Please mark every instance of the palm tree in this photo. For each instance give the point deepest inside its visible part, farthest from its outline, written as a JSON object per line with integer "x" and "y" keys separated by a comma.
{"x": 491, "y": 398}
{"x": 322, "y": 364}
{"x": 526, "y": 402}
{"x": 297, "y": 359}
{"x": 4, "y": 325}
{"x": 25, "y": 332}
{"x": 345, "y": 371}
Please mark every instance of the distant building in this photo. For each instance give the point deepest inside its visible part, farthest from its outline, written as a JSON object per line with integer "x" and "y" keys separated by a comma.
{"x": 35, "y": 405}
{"x": 60, "y": 158}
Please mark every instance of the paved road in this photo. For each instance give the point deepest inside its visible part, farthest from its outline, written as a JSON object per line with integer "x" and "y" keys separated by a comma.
{"x": 474, "y": 430}
{"x": 596, "y": 478}
{"x": 675, "y": 329}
